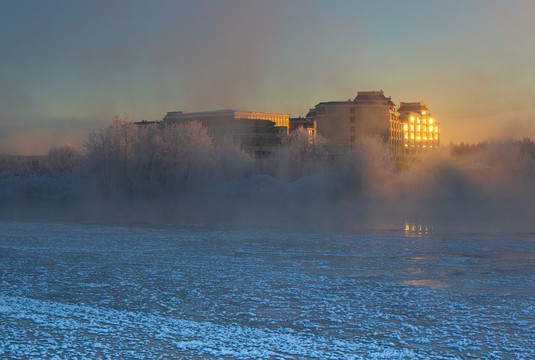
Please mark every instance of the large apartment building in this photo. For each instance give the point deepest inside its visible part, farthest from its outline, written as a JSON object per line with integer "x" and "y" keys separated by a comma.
{"x": 258, "y": 133}
{"x": 371, "y": 113}
{"x": 406, "y": 130}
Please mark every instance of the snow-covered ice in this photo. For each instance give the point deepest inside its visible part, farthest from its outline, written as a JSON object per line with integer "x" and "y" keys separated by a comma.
{"x": 79, "y": 291}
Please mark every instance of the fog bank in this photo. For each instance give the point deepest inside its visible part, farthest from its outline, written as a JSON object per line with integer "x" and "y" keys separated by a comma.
{"x": 180, "y": 175}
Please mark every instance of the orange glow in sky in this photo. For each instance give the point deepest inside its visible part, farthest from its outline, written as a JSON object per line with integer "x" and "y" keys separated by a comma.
{"x": 68, "y": 67}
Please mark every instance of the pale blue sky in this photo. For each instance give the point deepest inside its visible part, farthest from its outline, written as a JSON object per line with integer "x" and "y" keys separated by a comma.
{"x": 67, "y": 67}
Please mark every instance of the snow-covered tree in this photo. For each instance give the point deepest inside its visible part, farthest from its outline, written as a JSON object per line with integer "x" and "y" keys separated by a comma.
{"x": 300, "y": 155}
{"x": 110, "y": 151}
{"x": 63, "y": 159}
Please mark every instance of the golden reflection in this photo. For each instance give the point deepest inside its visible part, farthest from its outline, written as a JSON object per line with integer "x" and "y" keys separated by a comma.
{"x": 417, "y": 229}
{"x": 429, "y": 283}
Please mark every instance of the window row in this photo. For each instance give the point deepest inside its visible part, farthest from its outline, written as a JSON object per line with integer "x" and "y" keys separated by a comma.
{"x": 412, "y": 127}
{"x": 423, "y": 120}
{"x": 423, "y": 136}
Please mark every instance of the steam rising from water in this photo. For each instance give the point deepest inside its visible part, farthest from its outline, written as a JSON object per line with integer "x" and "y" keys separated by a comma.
{"x": 482, "y": 188}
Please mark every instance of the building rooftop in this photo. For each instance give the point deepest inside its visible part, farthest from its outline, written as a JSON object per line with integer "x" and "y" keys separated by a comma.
{"x": 413, "y": 107}
{"x": 373, "y": 97}
{"x": 219, "y": 113}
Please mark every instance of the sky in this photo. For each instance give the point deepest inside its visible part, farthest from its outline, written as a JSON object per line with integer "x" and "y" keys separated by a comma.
{"x": 68, "y": 67}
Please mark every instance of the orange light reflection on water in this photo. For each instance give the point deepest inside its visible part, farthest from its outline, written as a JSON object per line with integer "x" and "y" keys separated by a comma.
{"x": 417, "y": 229}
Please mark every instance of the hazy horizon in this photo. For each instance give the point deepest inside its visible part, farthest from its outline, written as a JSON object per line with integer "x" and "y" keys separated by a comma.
{"x": 68, "y": 67}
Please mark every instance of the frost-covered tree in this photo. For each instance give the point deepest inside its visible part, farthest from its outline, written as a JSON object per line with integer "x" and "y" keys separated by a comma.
{"x": 110, "y": 151}
{"x": 127, "y": 158}
{"x": 149, "y": 169}
{"x": 232, "y": 161}
{"x": 188, "y": 154}
{"x": 300, "y": 155}
{"x": 63, "y": 159}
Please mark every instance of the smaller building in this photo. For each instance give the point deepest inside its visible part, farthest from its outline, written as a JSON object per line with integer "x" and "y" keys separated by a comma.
{"x": 144, "y": 123}
{"x": 306, "y": 123}
{"x": 258, "y": 133}
{"x": 421, "y": 131}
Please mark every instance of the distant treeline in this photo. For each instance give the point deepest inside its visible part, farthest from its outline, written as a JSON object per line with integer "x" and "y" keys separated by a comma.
{"x": 126, "y": 151}
{"x": 525, "y": 147}
{"x": 150, "y": 159}
{"x": 60, "y": 160}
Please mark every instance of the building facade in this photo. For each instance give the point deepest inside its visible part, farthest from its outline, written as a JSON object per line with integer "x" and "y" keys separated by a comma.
{"x": 421, "y": 131}
{"x": 370, "y": 114}
{"x": 258, "y": 133}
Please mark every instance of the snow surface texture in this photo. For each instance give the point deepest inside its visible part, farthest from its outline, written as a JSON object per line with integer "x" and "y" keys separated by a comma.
{"x": 89, "y": 291}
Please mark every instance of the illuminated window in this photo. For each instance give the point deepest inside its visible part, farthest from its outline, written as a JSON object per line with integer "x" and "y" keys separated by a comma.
{"x": 406, "y": 136}
{"x": 412, "y": 118}
{"x": 418, "y": 127}
{"x": 418, "y": 120}
{"x": 436, "y": 129}
{"x": 412, "y": 135}
{"x": 430, "y": 128}
{"x": 418, "y": 137}
{"x": 424, "y": 128}
{"x": 425, "y": 137}
{"x": 436, "y": 136}
{"x": 430, "y": 120}
{"x": 423, "y": 113}
{"x": 412, "y": 127}
{"x": 405, "y": 127}
{"x": 406, "y": 145}
{"x": 423, "y": 120}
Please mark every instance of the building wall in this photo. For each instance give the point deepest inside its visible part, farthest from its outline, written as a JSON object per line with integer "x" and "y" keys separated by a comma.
{"x": 370, "y": 114}
{"x": 332, "y": 122}
{"x": 280, "y": 120}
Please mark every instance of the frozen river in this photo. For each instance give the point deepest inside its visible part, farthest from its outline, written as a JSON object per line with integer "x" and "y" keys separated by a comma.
{"x": 78, "y": 291}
